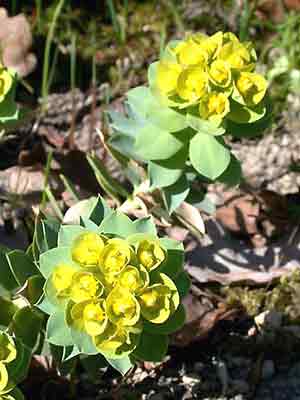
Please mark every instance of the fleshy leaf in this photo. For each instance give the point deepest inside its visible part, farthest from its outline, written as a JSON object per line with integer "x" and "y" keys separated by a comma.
{"x": 164, "y": 173}
{"x": 145, "y": 225}
{"x": 150, "y": 108}
{"x": 203, "y": 126}
{"x": 68, "y": 233}
{"x": 46, "y": 232}
{"x": 208, "y": 156}
{"x": 173, "y": 264}
{"x": 26, "y": 324}
{"x": 183, "y": 284}
{"x": 154, "y": 143}
{"x": 54, "y": 257}
{"x": 117, "y": 224}
{"x": 123, "y": 365}
{"x": 152, "y": 348}
{"x": 21, "y": 265}
{"x": 175, "y": 194}
{"x": 57, "y": 330}
{"x": 173, "y": 324}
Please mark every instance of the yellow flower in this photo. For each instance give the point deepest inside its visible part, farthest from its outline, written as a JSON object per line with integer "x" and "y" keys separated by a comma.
{"x": 174, "y": 299}
{"x": 155, "y": 303}
{"x": 159, "y": 301}
{"x": 117, "y": 340}
{"x": 192, "y": 84}
{"x": 6, "y": 81}
{"x": 150, "y": 254}
{"x": 167, "y": 77}
{"x": 252, "y": 87}
{"x": 115, "y": 256}
{"x": 230, "y": 37}
{"x": 3, "y": 377}
{"x": 122, "y": 307}
{"x": 190, "y": 53}
{"x": 88, "y": 316}
{"x": 85, "y": 286}
{"x": 212, "y": 45}
{"x": 237, "y": 56}
{"x": 62, "y": 278}
{"x": 214, "y": 107}
{"x": 133, "y": 279}
{"x": 8, "y": 351}
{"x": 95, "y": 318}
{"x": 87, "y": 248}
{"x": 220, "y": 74}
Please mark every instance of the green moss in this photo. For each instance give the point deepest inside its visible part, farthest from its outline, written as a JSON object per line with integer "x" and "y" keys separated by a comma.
{"x": 283, "y": 297}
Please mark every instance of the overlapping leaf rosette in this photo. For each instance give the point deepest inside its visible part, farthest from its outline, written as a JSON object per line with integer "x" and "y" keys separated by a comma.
{"x": 113, "y": 288}
{"x": 8, "y": 108}
{"x": 202, "y": 88}
{"x": 14, "y": 361}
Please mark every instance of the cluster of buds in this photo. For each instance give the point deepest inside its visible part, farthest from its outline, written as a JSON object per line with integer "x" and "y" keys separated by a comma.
{"x": 210, "y": 72}
{"x": 111, "y": 287}
{"x": 8, "y": 354}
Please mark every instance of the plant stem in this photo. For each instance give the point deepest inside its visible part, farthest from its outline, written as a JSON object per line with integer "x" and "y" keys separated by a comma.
{"x": 114, "y": 19}
{"x": 170, "y": 4}
{"x": 47, "y": 174}
{"x": 73, "y": 86}
{"x": 38, "y": 7}
{"x": 49, "y": 40}
{"x": 14, "y": 7}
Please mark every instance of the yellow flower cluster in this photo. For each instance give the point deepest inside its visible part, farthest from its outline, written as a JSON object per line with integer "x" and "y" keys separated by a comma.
{"x": 6, "y": 81}
{"x": 114, "y": 289}
{"x": 8, "y": 353}
{"x": 208, "y": 71}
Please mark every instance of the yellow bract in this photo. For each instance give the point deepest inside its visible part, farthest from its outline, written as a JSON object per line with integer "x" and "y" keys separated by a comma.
{"x": 134, "y": 279}
{"x": 95, "y": 318}
{"x": 212, "y": 45}
{"x": 191, "y": 53}
{"x": 62, "y": 278}
{"x": 214, "y": 107}
{"x": 6, "y": 81}
{"x": 252, "y": 87}
{"x": 150, "y": 254}
{"x": 8, "y": 351}
{"x": 220, "y": 73}
{"x": 85, "y": 287}
{"x": 155, "y": 303}
{"x": 87, "y": 249}
{"x": 122, "y": 307}
{"x": 116, "y": 340}
{"x": 167, "y": 77}
{"x": 3, "y": 377}
{"x": 192, "y": 84}
{"x": 115, "y": 256}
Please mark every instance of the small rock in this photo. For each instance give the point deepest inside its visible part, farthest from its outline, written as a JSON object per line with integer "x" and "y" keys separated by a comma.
{"x": 268, "y": 369}
{"x": 191, "y": 379}
{"x": 269, "y": 320}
